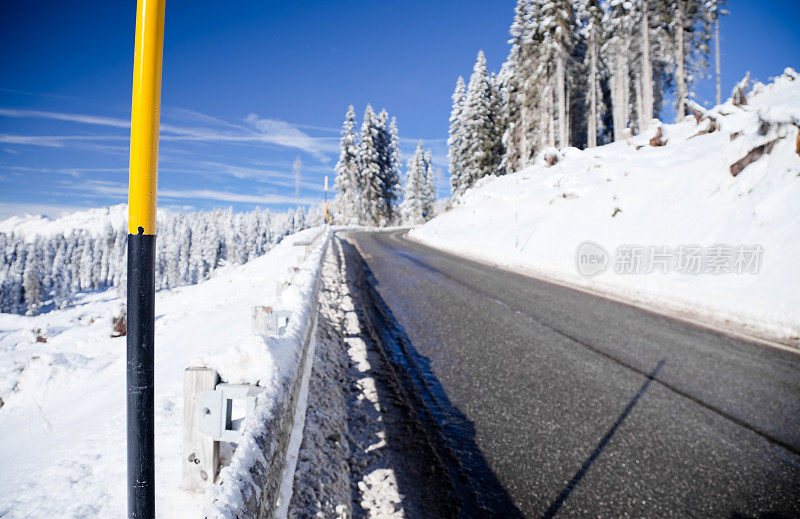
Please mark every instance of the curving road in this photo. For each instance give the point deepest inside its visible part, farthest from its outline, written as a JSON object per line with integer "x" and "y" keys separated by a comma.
{"x": 581, "y": 406}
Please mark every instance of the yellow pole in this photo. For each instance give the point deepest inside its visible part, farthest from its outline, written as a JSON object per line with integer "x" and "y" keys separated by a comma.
{"x": 326, "y": 198}
{"x": 145, "y": 111}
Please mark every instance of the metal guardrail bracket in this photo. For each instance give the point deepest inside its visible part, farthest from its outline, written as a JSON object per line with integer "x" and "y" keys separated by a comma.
{"x": 222, "y": 410}
{"x": 270, "y": 321}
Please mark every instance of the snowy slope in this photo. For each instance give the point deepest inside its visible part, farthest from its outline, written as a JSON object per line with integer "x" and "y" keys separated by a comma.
{"x": 93, "y": 220}
{"x": 63, "y": 412}
{"x": 679, "y": 194}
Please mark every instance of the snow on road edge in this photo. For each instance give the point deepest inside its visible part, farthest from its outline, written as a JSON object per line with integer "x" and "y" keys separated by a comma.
{"x": 253, "y": 478}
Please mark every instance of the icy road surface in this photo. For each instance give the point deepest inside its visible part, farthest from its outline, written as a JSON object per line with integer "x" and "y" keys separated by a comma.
{"x": 586, "y": 407}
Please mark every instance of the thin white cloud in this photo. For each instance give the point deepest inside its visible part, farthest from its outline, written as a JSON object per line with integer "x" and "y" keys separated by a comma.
{"x": 53, "y": 141}
{"x": 282, "y": 178}
{"x": 222, "y": 196}
{"x": 104, "y": 188}
{"x": 255, "y": 130}
{"x": 284, "y": 134}
{"x": 74, "y": 172}
{"x": 57, "y": 116}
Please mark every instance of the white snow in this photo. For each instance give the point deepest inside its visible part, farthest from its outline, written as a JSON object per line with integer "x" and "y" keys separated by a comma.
{"x": 296, "y": 438}
{"x": 93, "y": 220}
{"x": 62, "y": 444}
{"x": 679, "y": 194}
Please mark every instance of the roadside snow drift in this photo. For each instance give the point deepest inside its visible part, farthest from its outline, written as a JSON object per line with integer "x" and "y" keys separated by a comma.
{"x": 62, "y": 384}
{"x": 660, "y": 203}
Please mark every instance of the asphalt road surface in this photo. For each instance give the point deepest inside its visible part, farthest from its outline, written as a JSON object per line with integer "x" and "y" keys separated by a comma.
{"x": 581, "y": 406}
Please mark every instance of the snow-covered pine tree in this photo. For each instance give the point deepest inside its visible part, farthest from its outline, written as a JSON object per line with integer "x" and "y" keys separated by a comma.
{"x": 12, "y": 290}
{"x": 524, "y": 91}
{"x": 499, "y": 102}
{"x": 97, "y": 261}
{"x": 172, "y": 251}
{"x": 251, "y": 231}
{"x": 32, "y": 281}
{"x": 644, "y": 90}
{"x": 197, "y": 267}
{"x": 185, "y": 240}
{"x": 346, "y": 208}
{"x": 556, "y": 24}
{"x": 210, "y": 248}
{"x": 59, "y": 273}
{"x": 389, "y": 175}
{"x": 382, "y": 145}
{"x": 48, "y": 247}
{"x": 689, "y": 47}
{"x": 108, "y": 251}
{"x": 619, "y": 23}
{"x": 298, "y": 219}
{"x": 429, "y": 188}
{"x": 240, "y": 243}
{"x": 119, "y": 258}
{"x": 392, "y": 191}
{"x": 74, "y": 250}
{"x": 370, "y": 167}
{"x": 482, "y": 146}
{"x": 413, "y": 207}
{"x": 86, "y": 261}
{"x": 455, "y": 138}
{"x": 712, "y": 10}
{"x": 592, "y": 22}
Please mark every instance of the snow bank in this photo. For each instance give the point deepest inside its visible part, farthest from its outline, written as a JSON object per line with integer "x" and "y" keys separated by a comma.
{"x": 252, "y": 482}
{"x": 62, "y": 417}
{"x": 680, "y": 194}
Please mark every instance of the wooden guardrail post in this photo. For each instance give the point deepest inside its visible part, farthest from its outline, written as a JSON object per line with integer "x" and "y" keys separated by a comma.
{"x": 200, "y": 452}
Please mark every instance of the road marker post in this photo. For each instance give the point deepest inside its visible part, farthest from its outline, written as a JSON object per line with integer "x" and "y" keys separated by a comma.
{"x": 326, "y": 199}
{"x": 145, "y": 111}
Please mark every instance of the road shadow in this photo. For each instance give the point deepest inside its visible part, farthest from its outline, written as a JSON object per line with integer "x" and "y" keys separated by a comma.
{"x": 576, "y": 479}
{"x": 474, "y": 488}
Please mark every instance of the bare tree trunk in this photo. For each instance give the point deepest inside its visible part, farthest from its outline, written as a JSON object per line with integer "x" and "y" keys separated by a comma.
{"x": 647, "y": 71}
{"x": 680, "y": 72}
{"x": 616, "y": 98}
{"x": 543, "y": 121}
{"x": 551, "y": 117}
{"x": 562, "y": 103}
{"x": 638, "y": 85}
{"x": 620, "y": 95}
{"x": 568, "y": 115}
{"x": 717, "y": 60}
{"x": 591, "y": 128}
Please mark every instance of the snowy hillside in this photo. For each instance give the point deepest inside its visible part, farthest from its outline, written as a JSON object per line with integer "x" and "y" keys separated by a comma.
{"x": 62, "y": 385}
{"x": 709, "y": 245}
{"x": 44, "y": 263}
{"x": 93, "y": 221}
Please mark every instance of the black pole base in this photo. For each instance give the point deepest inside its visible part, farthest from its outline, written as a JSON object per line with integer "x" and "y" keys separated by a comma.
{"x": 141, "y": 431}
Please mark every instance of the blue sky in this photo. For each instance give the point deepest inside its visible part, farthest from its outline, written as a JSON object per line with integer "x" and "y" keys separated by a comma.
{"x": 251, "y": 88}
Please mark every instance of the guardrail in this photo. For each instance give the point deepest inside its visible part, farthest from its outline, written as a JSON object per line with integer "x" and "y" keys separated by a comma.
{"x": 249, "y": 487}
